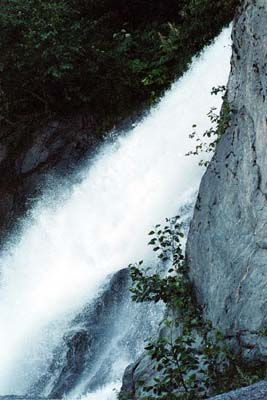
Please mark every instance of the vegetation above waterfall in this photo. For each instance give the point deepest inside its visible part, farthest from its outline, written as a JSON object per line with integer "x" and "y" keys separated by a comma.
{"x": 110, "y": 57}
{"x": 191, "y": 360}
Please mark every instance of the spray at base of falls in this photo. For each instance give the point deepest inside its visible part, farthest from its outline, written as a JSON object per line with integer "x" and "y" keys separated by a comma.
{"x": 67, "y": 250}
{"x": 107, "y": 393}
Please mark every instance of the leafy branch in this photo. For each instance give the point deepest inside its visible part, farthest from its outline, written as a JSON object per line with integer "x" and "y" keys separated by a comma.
{"x": 208, "y": 140}
{"x": 191, "y": 359}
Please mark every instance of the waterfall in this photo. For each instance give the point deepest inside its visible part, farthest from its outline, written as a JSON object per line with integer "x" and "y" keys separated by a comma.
{"x": 71, "y": 244}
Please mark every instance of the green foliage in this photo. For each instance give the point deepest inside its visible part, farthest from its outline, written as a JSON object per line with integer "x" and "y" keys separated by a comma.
{"x": 170, "y": 289}
{"x": 263, "y": 332}
{"x": 191, "y": 359}
{"x": 207, "y": 142}
{"x": 110, "y": 56}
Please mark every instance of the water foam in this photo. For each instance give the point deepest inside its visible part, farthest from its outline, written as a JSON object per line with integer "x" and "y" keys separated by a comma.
{"x": 68, "y": 249}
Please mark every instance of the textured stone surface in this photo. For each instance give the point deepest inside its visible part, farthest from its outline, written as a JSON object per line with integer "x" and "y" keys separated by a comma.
{"x": 254, "y": 392}
{"x": 141, "y": 370}
{"x": 227, "y": 243}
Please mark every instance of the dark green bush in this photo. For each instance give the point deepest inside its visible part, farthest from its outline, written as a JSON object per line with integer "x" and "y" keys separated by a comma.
{"x": 108, "y": 56}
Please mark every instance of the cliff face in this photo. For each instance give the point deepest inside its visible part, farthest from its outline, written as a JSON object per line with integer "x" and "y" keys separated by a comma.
{"x": 227, "y": 242}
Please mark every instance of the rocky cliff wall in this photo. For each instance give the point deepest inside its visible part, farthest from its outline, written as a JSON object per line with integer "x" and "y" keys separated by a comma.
{"x": 227, "y": 242}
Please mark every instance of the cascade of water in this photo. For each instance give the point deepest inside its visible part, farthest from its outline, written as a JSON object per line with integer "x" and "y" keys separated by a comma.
{"x": 67, "y": 250}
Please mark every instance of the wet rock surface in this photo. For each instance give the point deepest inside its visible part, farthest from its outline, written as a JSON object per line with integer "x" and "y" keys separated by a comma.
{"x": 89, "y": 339}
{"x": 108, "y": 332}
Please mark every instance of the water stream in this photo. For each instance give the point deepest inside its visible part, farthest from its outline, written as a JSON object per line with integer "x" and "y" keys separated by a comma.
{"x": 69, "y": 247}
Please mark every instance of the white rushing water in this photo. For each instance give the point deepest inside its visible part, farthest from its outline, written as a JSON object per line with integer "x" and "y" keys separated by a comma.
{"x": 68, "y": 248}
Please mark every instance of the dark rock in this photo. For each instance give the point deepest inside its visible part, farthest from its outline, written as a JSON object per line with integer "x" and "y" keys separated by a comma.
{"x": 87, "y": 340}
{"x": 106, "y": 329}
{"x": 141, "y": 371}
{"x": 30, "y": 159}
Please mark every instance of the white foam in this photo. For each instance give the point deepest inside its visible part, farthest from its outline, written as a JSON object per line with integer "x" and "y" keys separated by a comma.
{"x": 106, "y": 393}
{"x": 68, "y": 249}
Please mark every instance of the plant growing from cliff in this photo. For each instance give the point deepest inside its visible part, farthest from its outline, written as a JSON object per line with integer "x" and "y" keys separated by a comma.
{"x": 187, "y": 358}
{"x": 191, "y": 359}
{"x": 208, "y": 140}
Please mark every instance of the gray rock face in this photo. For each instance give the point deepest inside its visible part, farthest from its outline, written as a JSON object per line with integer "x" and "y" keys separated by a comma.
{"x": 227, "y": 242}
{"x": 253, "y": 392}
{"x": 141, "y": 370}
